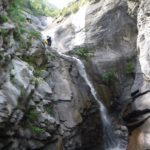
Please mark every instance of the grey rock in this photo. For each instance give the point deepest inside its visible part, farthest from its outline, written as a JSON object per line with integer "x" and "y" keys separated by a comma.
{"x": 141, "y": 82}
{"x": 16, "y": 116}
{"x": 69, "y": 115}
{"x": 34, "y": 144}
{"x": 61, "y": 86}
{"x": 44, "y": 89}
{"x": 22, "y": 73}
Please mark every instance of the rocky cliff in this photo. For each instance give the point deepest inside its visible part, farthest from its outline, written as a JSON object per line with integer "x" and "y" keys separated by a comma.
{"x": 44, "y": 101}
{"x": 41, "y": 103}
{"x": 137, "y": 112}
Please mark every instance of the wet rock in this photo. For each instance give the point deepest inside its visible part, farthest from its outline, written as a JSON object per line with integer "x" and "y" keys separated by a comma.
{"x": 60, "y": 81}
{"x": 71, "y": 117}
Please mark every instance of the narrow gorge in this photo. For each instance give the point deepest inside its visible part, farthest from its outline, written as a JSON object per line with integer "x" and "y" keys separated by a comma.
{"x": 89, "y": 90}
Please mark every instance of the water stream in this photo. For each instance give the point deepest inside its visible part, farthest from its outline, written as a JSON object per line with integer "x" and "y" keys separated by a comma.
{"x": 111, "y": 142}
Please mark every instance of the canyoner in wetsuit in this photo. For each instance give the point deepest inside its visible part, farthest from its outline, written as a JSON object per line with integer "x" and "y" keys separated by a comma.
{"x": 48, "y": 41}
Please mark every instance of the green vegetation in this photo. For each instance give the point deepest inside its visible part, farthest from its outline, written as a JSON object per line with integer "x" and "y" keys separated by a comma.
{"x": 3, "y": 18}
{"x": 3, "y": 32}
{"x": 31, "y": 121}
{"x": 35, "y": 34}
{"x": 82, "y": 53}
{"x": 15, "y": 11}
{"x": 36, "y": 81}
{"x": 130, "y": 68}
{"x": 69, "y": 10}
{"x": 40, "y": 7}
{"x": 72, "y": 8}
{"x": 19, "y": 31}
{"x": 49, "y": 110}
{"x": 32, "y": 115}
{"x": 37, "y": 72}
{"x": 29, "y": 60}
{"x": 37, "y": 130}
{"x": 109, "y": 77}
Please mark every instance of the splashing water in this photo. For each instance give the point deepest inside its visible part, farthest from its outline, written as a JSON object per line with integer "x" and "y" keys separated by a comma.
{"x": 111, "y": 142}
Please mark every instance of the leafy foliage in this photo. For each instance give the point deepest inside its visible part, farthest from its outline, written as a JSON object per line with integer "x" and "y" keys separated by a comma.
{"x": 15, "y": 11}
{"x": 49, "y": 110}
{"x": 40, "y": 7}
{"x": 72, "y": 8}
{"x": 37, "y": 130}
{"x": 3, "y": 18}
{"x": 109, "y": 77}
{"x": 35, "y": 34}
{"x": 82, "y": 52}
{"x": 130, "y": 68}
{"x": 37, "y": 72}
{"x": 32, "y": 115}
{"x": 3, "y": 32}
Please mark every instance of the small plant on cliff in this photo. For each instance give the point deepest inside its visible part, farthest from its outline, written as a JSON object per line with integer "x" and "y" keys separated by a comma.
{"x": 35, "y": 34}
{"x": 37, "y": 130}
{"x": 49, "y": 110}
{"x": 37, "y": 72}
{"x": 130, "y": 68}
{"x": 32, "y": 115}
{"x": 3, "y": 18}
{"x": 82, "y": 53}
{"x": 109, "y": 77}
{"x": 4, "y": 32}
{"x": 36, "y": 81}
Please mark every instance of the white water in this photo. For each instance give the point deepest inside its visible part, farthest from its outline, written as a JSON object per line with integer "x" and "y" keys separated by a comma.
{"x": 111, "y": 142}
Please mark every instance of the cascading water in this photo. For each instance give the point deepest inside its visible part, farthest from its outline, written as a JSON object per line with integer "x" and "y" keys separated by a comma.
{"x": 111, "y": 142}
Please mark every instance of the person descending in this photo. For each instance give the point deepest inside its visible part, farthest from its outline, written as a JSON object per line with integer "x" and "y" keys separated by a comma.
{"x": 48, "y": 41}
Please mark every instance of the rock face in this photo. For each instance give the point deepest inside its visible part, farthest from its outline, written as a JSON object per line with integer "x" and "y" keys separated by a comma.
{"x": 109, "y": 34}
{"x": 137, "y": 113}
{"x": 45, "y": 103}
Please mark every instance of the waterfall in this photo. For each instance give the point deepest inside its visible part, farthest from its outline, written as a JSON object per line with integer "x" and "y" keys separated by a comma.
{"x": 111, "y": 142}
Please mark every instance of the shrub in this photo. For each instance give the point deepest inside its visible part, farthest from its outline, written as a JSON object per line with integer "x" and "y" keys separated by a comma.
{"x": 109, "y": 77}
{"x": 130, "y": 68}
{"x": 37, "y": 130}
{"x": 36, "y": 81}
{"x": 3, "y": 18}
{"x": 49, "y": 110}
{"x": 19, "y": 31}
{"x": 29, "y": 60}
{"x": 35, "y": 34}
{"x": 4, "y": 32}
{"x": 32, "y": 115}
{"x": 37, "y": 72}
{"x": 15, "y": 11}
{"x": 82, "y": 53}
